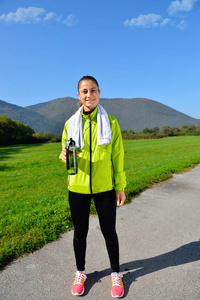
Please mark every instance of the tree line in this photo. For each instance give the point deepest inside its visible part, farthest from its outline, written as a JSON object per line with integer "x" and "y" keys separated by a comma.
{"x": 165, "y": 131}
{"x": 15, "y": 132}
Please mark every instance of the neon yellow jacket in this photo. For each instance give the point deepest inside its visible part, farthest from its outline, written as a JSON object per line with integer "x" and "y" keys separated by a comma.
{"x": 100, "y": 168}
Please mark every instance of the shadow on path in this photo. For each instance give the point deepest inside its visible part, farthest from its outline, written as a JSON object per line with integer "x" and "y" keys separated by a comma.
{"x": 180, "y": 256}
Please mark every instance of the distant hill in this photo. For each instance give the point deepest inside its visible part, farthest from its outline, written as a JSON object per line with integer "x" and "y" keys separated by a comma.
{"x": 33, "y": 119}
{"x": 58, "y": 110}
{"x": 135, "y": 114}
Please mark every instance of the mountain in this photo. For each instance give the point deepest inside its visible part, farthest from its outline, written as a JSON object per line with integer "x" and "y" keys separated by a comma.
{"x": 58, "y": 110}
{"x": 26, "y": 116}
{"x": 135, "y": 114}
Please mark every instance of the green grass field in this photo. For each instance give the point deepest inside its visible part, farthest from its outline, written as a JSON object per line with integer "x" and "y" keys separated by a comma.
{"x": 33, "y": 187}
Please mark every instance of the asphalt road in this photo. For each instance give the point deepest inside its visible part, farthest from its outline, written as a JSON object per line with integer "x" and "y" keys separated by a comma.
{"x": 159, "y": 236}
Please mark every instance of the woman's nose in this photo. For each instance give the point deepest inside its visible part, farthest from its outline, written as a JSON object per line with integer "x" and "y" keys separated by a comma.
{"x": 89, "y": 94}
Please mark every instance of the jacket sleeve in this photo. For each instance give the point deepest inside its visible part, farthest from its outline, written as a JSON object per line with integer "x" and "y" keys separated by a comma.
{"x": 64, "y": 136}
{"x": 118, "y": 157}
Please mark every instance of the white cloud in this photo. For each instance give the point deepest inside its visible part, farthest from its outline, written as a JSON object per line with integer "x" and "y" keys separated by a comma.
{"x": 34, "y": 15}
{"x": 51, "y": 16}
{"x": 148, "y": 21}
{"x": 182, "y": 25}
{"x": 24, "y": 15}
{"x": 167, "y": 21}
{"x": 70, "y": 20}
{"x": 184, "y": 5}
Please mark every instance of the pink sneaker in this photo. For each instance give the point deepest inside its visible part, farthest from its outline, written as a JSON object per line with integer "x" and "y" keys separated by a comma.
{"x": 78, "y": 285}
{"x": 117, "y": 285}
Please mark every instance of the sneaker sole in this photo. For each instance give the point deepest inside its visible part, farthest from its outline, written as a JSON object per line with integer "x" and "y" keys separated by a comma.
{"x": 117, "y": 296}
{"x": 78, "y": 294}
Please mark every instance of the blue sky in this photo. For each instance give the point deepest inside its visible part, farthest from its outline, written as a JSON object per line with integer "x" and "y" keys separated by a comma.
{"x": 135, "y": 48}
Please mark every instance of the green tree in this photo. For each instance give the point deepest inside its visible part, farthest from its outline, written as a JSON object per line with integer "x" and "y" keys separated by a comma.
{"x": 155, "y": 129}
{"x": 165, "y": 130}
{"x": 131, "y": 131}
{"x": 14, "y": 132}
{"x": 7, "y": 130}
{"x": 147, "y": 130}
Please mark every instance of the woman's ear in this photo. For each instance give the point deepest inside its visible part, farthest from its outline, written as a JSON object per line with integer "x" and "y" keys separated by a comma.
{"x": 80, "y": 104}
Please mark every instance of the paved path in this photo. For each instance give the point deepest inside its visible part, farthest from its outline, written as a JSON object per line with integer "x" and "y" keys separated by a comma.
{"x": 159, "y": 236}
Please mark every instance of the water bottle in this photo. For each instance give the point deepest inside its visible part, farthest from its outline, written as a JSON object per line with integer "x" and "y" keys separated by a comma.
{"x": 71, "y": 157}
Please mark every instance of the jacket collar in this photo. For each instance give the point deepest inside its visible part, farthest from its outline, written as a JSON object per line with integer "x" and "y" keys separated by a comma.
{"x": 93, "y": 114}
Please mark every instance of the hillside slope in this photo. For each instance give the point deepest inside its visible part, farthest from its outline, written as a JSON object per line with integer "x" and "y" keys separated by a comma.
{"x": 136, "y": 113}
{"x": 33, "y": 119}
{"x": 58, "y": 110}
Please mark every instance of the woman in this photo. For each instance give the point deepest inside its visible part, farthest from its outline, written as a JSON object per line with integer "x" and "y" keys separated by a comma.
{"x": 100, "y": 176}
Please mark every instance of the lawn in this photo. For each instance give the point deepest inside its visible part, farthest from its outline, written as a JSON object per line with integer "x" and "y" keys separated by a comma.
{"x": 33, "y": 187}
{"x": 34, "y": 208}
{"x": 151, "y": 161}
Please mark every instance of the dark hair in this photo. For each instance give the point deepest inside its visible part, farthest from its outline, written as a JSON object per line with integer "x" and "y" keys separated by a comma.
{"x": 88, "y": 77}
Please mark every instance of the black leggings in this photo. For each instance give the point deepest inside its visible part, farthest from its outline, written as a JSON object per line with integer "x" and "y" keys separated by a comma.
{"x": 105, "y": 204}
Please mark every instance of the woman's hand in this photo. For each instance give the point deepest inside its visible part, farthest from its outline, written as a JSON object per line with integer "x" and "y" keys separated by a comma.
{"x": 120, "y": 196}
{"x": 63, "y": 154}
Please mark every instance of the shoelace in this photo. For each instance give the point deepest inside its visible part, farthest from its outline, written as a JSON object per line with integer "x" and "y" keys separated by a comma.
{"x": 117, "y": 279}
{"x": 79, "y": 279}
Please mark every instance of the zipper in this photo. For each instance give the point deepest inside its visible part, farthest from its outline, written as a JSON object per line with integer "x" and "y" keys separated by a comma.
{"x": 90, "y": 154}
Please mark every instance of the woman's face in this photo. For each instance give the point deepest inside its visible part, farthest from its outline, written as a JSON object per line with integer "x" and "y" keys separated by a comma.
{"x": 88, "y": 94}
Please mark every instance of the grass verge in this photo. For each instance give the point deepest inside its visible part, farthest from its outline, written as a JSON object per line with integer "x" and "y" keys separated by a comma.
{"x": 152, "y": 161}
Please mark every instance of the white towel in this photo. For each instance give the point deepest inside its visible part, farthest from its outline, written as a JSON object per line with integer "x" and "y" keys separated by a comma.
{"x": 103, "y": 127}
